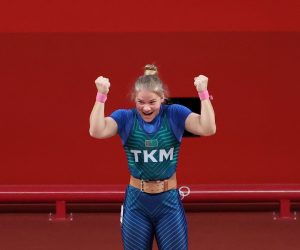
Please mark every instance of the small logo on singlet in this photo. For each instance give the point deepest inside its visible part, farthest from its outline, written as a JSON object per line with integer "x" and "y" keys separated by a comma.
{"x": 151, "y": 143}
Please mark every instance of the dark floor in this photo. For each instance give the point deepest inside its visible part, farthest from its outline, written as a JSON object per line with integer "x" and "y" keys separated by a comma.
{"x": 91, "y": 231}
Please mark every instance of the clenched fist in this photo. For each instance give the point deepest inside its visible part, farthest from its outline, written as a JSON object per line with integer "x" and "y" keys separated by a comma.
{"x": 201, "y": 82}
{"x": 102, "y": 84}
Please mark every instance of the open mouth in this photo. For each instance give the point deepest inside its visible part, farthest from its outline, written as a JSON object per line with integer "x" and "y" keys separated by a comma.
{"x": 147, "y": 114}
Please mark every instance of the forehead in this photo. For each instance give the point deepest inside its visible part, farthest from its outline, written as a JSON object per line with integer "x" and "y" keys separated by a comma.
{"x": 146, "y": 95}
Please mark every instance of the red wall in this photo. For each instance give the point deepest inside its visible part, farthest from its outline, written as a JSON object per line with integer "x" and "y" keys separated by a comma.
{"x": 145, "y": 15}
{"x": 47, "y": 83}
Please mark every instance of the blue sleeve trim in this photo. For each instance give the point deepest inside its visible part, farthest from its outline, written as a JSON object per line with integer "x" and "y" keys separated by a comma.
{"x": 124, "y": 120}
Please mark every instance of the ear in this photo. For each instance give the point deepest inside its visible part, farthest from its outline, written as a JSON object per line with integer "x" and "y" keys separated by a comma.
{"x": 162, "y": 98}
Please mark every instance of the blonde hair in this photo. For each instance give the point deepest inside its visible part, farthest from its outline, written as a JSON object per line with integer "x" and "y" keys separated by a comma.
{"x": 149, "y": 81}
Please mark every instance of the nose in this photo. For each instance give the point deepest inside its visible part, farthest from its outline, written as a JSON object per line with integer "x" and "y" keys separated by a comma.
{"x": 146, "y": 108}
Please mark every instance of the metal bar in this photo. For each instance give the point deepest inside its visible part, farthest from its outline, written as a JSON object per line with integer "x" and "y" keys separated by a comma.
{"x": 115, "y": 194}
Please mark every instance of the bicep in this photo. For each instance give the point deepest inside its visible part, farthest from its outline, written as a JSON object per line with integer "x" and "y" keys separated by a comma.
{"x": 110, "y": 129}
{"x": 192, "y": 124}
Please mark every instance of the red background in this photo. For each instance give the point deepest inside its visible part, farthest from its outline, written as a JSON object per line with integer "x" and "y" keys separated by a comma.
{"x": 51, "y": 54}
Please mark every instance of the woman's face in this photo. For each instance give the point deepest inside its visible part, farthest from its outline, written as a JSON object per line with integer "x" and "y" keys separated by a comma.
{"x": 148, "y": 104}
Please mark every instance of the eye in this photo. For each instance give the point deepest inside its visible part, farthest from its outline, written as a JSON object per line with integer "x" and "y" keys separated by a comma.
{"x": 152, "y": 102}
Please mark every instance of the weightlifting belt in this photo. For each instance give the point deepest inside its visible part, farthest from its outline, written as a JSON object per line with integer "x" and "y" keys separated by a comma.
{"x": 154, "y": 187}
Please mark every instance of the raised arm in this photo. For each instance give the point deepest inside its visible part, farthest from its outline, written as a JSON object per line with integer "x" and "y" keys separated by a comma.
{"x": 101, "y": 126}
{"x": 203, "y": 124}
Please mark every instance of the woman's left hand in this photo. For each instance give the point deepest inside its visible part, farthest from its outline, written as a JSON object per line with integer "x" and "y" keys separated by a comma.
{"x": 201, "y": 82}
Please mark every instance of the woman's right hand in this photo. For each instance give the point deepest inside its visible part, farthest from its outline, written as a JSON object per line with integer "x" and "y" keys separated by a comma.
{"x": 102, "y": 85}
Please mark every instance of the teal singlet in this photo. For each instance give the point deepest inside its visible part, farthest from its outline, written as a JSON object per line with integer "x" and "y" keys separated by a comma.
{"x": 152, "y": 156}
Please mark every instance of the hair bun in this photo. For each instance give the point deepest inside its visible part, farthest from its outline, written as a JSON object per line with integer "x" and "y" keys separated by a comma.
{"x": 150, "y": 69}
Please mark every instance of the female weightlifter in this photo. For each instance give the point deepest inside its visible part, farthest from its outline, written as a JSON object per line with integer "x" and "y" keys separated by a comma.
{"x": 151, "y": 135}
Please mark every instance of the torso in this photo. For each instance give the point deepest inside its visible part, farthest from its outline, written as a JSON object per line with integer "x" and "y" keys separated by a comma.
{"x": 152, "y": 156}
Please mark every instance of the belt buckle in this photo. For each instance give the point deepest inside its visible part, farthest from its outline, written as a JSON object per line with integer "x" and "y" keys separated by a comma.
{"x": 160, "y": 184}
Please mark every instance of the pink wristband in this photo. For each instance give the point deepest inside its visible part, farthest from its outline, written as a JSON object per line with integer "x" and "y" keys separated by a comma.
{"x": 204, "y": 95}
{"x": 101, "y": 97}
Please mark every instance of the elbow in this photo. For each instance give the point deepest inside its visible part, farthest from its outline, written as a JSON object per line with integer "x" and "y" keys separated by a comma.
{"x": 94, "y": 134}
{"x": 91, "y": 132}
{"x": 211, "y": 131}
